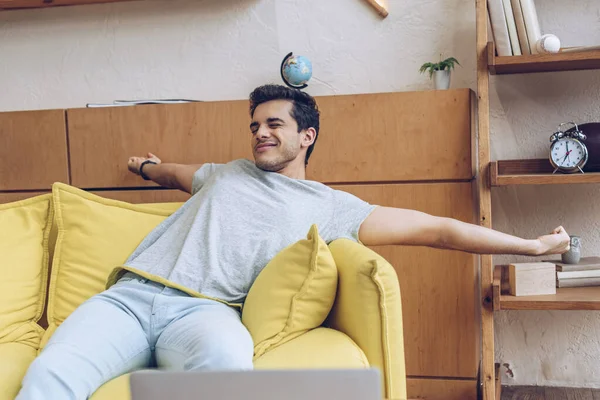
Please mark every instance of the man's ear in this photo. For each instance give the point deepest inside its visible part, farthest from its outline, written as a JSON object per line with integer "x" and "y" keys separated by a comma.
{"x": 308, "y": 137}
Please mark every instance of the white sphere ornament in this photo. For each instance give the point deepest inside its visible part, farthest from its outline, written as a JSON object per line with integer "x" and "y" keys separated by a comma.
{"x": 548, "y": 44}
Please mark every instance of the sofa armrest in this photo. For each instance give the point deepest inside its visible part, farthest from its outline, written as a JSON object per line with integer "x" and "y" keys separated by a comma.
{"x": 368, "y": 309}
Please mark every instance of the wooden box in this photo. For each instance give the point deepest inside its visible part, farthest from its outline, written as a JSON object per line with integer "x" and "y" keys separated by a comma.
{"x": 526, "y": 279}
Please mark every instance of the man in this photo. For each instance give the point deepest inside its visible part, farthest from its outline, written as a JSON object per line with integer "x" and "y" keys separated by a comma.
{"x": 239, "y": 216}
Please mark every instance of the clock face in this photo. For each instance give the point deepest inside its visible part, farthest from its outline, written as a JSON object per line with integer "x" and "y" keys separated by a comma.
{"x": 568, "y": 153}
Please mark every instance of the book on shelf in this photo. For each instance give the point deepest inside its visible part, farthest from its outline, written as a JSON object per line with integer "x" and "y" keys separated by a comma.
{"x": 584, "y": 264}
{"x": 578, "y": 282}
{"x": 499, "y": 27}
{"x": 521, "y": 29}
{"x": 512, "y": 28}
{"x": 122, "y": 103}
{"x": 590, "y": 273}
{"x": 515, "y": 26}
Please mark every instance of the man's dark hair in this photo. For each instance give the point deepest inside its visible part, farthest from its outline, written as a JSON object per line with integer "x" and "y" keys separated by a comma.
{"x": 304, "y": 109}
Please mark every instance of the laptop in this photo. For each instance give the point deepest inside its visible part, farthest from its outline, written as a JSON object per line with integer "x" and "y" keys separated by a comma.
{"x": 327, "y": 384}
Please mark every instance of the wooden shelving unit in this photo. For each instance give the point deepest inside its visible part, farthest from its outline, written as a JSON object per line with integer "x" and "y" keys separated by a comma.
{"x": 517, "y": 172}
{"x": 579, "y": 298}
{"x": 534, "y": 172}
{"x": 569, "y": 61}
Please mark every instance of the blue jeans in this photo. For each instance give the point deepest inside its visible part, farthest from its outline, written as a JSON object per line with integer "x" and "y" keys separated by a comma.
{"x": 135, "y": 324}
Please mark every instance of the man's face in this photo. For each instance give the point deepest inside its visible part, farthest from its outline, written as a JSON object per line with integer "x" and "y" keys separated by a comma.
{"x": 276, "y": 141}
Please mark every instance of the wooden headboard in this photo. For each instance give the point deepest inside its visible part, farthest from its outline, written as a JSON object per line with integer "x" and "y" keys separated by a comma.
{"x": 408, "y": 149}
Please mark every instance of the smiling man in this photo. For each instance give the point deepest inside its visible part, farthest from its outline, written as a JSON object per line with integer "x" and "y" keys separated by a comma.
{"x": 240, "y": 215}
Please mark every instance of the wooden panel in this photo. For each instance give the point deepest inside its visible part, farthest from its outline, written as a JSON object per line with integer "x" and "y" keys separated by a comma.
{"x": 10, "y": 197}
{"x": 14, "y": 4}
{"x": 102, "y": 139}
{"x": 130, "y": 196}
{"x": 441, "y": 389}
{"x": 144, "y": 196}
{"x": 485, "y": 200}
{"x": 394, "y": 137}
{"x": 365, "y": 138}
{"x": 567, "y": 61}
{"x": 439, "y": 287}
{"x": 574, "y": 298}
{"x": 534, "y": 172}
{"x": 498, "y": 391}
{"x": 33, "y": 149}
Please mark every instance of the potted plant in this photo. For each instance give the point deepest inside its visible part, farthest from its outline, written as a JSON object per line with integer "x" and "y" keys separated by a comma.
{"x": 440, "y": 72}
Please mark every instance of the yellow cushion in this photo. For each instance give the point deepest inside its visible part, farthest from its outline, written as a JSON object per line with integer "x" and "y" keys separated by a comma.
{"x": 14, "y": 361}
{"x": 292, "y": 294}
{"x": 369, "y": 296}
{"x": 116, "y": 389}
{"x": 95, "y": 235}
{"x": 24, "y": 231}
{"x": 318, "y": 348}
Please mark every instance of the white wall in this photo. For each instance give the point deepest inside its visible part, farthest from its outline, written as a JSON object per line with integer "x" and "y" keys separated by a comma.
{"x": 222, "y": 49}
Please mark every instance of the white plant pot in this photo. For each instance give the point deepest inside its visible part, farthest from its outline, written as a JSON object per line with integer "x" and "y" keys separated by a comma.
{"x": 441, "y": 79}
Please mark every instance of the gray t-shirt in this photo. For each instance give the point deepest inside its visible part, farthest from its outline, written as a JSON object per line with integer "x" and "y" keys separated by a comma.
{"x": 238, "y": 218}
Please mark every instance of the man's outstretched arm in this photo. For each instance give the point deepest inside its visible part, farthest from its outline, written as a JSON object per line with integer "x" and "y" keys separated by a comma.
{"x": 173, "y": 176}
{"x": 396, "y": 226}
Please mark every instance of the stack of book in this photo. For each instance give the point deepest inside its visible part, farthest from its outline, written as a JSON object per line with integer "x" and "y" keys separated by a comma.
{"x": 514, "y": 26}
{"x": 584, "y": 273}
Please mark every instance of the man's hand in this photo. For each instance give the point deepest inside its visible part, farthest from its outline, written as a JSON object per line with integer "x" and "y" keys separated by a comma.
{"x": 557, "y": 242}
{"x": 169, "y": 175}
{"x": 134, "y": 163}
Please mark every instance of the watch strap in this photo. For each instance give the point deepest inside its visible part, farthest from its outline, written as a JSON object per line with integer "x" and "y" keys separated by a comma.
{"x": 142, "y": 169}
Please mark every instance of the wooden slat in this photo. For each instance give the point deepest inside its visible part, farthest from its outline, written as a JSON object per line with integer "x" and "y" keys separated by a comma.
{"x": 438, "y": 286}
{"x": 17, "y": 196}
{"x": 16, "y": 4}
{"x": 570, "y": 61}
{"x": 523, "y": 167}
{"x": 496, "y": 288}
{"x": 384, "y": 137}
{"x": 535, "y": 172}
{"x": 485, "y": 200}
{"x": 130, "y": 196}
{"x": 498, "y": 381}
{"x": 144, "y": 196}
{"x": 577, "y": 298}
{"x": 33, "y": 149}
{"x": 549, "y": 179}
{"x": 380, "y": 8}
{"x": 441, "y": 389}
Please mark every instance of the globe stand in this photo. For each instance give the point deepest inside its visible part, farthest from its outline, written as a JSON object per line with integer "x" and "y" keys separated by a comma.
{"x": 283, "y": 77}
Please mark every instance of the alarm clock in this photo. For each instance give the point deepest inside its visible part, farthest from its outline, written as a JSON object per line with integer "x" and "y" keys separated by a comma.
{"x": 568, "y": 153}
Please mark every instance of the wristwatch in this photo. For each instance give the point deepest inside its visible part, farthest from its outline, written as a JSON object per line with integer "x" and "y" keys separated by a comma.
{"x": 142, "y": 169}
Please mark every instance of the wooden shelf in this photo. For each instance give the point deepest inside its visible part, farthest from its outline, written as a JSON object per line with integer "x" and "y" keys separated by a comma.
{"x": 541, "y": 62}
{"x": 581, "y": 298}
{"x": 534, "y": 172}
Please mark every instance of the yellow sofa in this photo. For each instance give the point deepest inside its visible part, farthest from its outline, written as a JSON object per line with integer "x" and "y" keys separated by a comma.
{"x": 364, "y": 326}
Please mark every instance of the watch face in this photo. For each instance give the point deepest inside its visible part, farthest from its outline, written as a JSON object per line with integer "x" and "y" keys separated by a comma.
{"x": 568, "y": 153}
